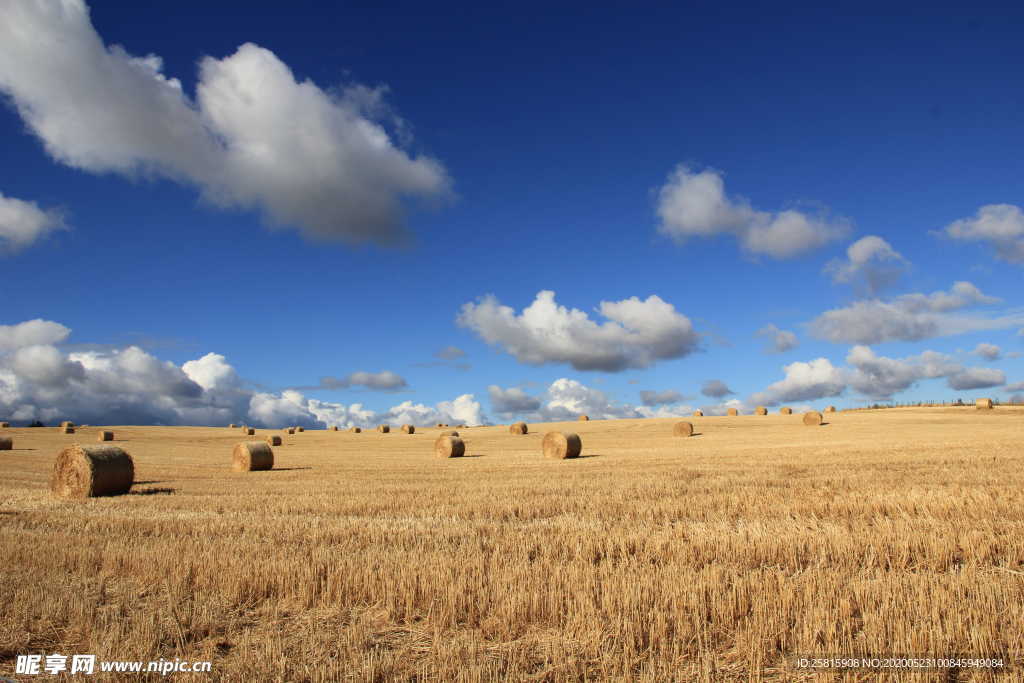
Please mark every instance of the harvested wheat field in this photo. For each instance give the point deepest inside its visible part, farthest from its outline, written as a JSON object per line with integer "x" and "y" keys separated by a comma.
{"x": 719, "y": 557}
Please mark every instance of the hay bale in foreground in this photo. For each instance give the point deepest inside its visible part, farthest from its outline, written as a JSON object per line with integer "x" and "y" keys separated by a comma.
{"x": 250, "y": 456}
{"x": 274, "y": 440}
{"x": 518, "y": 428}
{"x": 732, "y": 412}
{"x": 760, "y": 410}
{"x": 67, "y": 430}
{"x": 408, "y": 429}
{"x": 562, "y": 445}
{"x": 6, "y": 443}
{"x": 383, "y": 429}
{"x": 449, "y": 447}
{"x": 583, "y": 418}
{"x": 105, "y": 435}
{"x": 88, "y": 471}
{"x": 812, "y": 418}
{"x": 450, "y": 432}
{"x": 830, "y": 409}
{"x": 355, "y": 430}
{"x": 682, "y": 429}
{"x": 786, "y": 411}
{"x": 291, "y": 430}
{"x": 983, "y": 404}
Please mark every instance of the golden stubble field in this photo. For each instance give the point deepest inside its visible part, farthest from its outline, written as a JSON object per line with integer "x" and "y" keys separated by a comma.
{"x": 655, "y": 558}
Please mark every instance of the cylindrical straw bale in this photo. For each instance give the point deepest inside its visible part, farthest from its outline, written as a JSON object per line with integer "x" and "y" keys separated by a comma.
{"x": 291, "y": 430}
{"x": 67, "y": 423}
{"x": 67, "y": 430}
{"x": 249, "y": 456}
{"x": 409, "y": 429}
{"x": 249, "y": 431}
{"x": 830, "y": 409}
{"x": 105, "y": 435}
{"x": 732, "y": 412}
{"x": 274, "y": 440}
{"x": 698, "y": 413}
{"x": 6, "y": 443}
{"x": 682, "y": 429}
{"x": 87, "y": 471}
{"x": 786, "y": 410}
{"x": 583, "y": 418}
{"x": 812, "y": 418}
{"x": 355, "y": 430}
{"x": 5, "y": 425}
{"x": 383, "y": 429}
{"x": 300, "y": 429}
{"x": 232, "y": 426}
{"x": 518, "y": 428}
{"x": 983, "y": 404}
{"x": 334, "y": 428}
{"x": 449, "y": 447}
{"x": 760, "y": 410}
{"x": 562, "y": 445}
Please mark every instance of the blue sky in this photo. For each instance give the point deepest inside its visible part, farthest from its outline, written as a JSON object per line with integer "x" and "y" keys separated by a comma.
{"x": 322, "y": 190}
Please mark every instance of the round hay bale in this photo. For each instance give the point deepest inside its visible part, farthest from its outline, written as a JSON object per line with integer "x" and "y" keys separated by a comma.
{"x": 383, "y": 429}
{"x": 682, "y": 429}
{"x": 291, "y": 430}
{"x": 450, "y": 432}
{"x": 355, "y": 430}
{"x": 249, "y": 431}
{"x": 830, "y": 409}
{"x": 105, "y": 435}
{"x": 274, "y": 440}
{"x": 518, "y": 428}
{"x": 5, "y": 425}
{"x": 249, "y": 456}
{"x": 449, "y": 447}
{"x": 333, "y": 428}
{"x": 232, "y": 426}
{"x": 88, "y": 471}
{"x": 583, "y": 418}
{"x": 786, "y": 411}
{"x": 440, "y": 424}
{"x": 300, "y": 429}
{"x": 6, "y": 443}
{"x": 760, "y": 410}
{"x": 698, "y": 413}
{"x": 732, "y": 412}
{"x": 812, "y": 418}
{"x": 67, "y": 430}
{"x": 408, "y": 429}
{"x": 67, "y": 423}
{"x": 561, "y": 445}
{"x": 983, "y": 404}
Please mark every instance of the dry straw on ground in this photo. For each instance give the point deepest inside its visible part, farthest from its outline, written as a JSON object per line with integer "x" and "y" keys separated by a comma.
{"x": 6, "y": 443}
{"x": 518, "y": 428}
{"x": 983, "y": 404}
{"x": 698, "y": 413}
{"x": 786, "y": 410}
{"x": 355, "y": 430}
{"x": 105, "y": 435}
{"x": 250, "y": 456}
{"x": 561, "y": 445}
{"x": 449, "y": 447}
{"x": 274, "y": 440}
{"x": 760, "y": 410}
{"x": 88, "y": 471}
{"x": 383, "y": 429}
{"x": 682, "y": 429}
{"x": 732, "y": 412}
{"x": 67, "y": 430}
{"x": 409, "y": 429}
{"x": 583, "y": 418}
{"x": 812, "y": 418}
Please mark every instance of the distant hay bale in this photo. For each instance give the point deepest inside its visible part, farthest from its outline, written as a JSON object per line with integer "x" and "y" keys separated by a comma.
{"x": 250, "y": 456}
{"x": 450, "y": 432}
{"x": 383, "y": 429}
{"x": 274, "y": 440}
{"x": 449, "y": 447}
{"x": 441, "y": 424}
{"x": 105, "y": 435}
{"x": 583, "y": 418}
{"x": 5, "y": 425}
{"x": 830, "y": 409}
{"x": 786, "y": 411}
{"x": 460, "y": 426}
{"x": 291, "y": 430}
{"x": 6, "y": 443}
{"x": 355, "y": 430}
{"x": 409, "y": 429}
{"x": 812, "y": 418}
{"x": 300, "y": 429}
{"x": 682, "y": 429}
{"x": 732, "y": 412}
{"x": 518, "y": 428}
{"x": 698, "y": 413}
{"x": 983, "y": 404}
{"x": 333, "y": 428}
{"x": 561, "y": 445}
{"x": 760, "y": 410}
{"x": 67, "y": 430}
{"x": 67, "y": 423}
{"x": 232, "y": 426}
{"x": 249, "y": 431}
{"x": 88, "y": 471}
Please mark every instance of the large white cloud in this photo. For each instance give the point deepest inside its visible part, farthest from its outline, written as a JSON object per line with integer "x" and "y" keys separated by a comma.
{"x": 976, "y": 378}
{"x": 31, "y": 333}
{"x": 911, "y": 317}
{"x": 566, "y": 399}
{"x": 254, "y": 137}
{"x": 637, "y": 334}
{"x": 695, "y": 204}
{"x": 22, "y": 223}
{"x": 803, "y": 382}
{"x": 881, "y": 377}
{"x": 871, "y": 263}
{"x": 1000, "y": 225}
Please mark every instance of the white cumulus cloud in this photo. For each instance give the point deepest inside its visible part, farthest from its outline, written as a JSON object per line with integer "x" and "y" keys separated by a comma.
{"x": 695, "y": 204}
{"x": 871, "y": 263}
{"x": 977, "y": 378}
{"x": 999, "y": 225}
{"x": 803, "y": 381}
{"x": 988, "y": 351}
{"x": 22, "y": 223}
{"x": 30, "y": 333}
